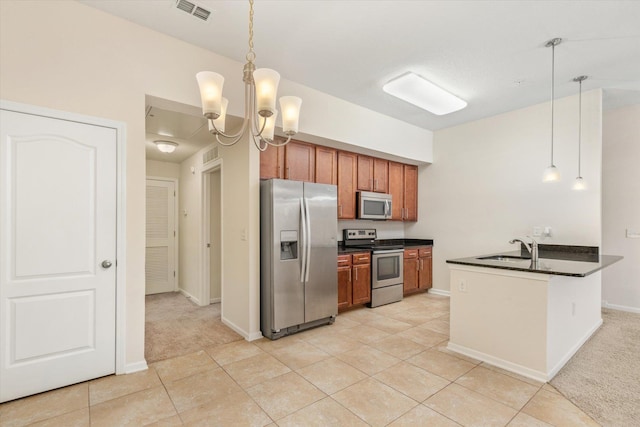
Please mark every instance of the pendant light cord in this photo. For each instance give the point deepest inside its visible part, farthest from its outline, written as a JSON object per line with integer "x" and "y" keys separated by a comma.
{"x": 580, "y": 129}
{"x": 553, "y": 61}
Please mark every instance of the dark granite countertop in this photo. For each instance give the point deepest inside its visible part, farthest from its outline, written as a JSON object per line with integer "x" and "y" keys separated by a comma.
{"x": 407, "y": 243}
{"x": 561, "y": 260}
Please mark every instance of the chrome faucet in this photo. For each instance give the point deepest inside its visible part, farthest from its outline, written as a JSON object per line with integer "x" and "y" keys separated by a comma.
{"x": 533, "y": 249}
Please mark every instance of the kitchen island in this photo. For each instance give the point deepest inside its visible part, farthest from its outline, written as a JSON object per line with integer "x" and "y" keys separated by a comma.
{"x": 527, "y": 318}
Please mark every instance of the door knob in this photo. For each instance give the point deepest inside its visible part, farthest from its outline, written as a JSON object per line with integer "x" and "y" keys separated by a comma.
{"x": 106, "y": 263}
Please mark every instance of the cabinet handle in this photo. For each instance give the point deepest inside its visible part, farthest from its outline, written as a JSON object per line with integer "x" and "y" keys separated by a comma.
{"x": 349, "y": 275}
{"x": 421, "y": 265}
{"x": 286, "y": 172}
{"x": 340, "y": 211}
{"x": 356, "y": 270}
{"x": 375, "y": 185}
{"x": 278, "y": 171}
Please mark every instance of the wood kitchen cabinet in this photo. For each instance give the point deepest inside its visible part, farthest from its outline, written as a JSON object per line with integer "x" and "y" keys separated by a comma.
{"x": 417, "y": 269}
{"x": 410, "y": 193}
{"x": 326, "y": 168}
{"x": 396, "y": 189}
{"x": 347, "y": 169}
{"x": 272, "y": 163}
{"x": 354, "y": 279}
{"x": 299, "y": 161}
{"x": 373, "y": 174}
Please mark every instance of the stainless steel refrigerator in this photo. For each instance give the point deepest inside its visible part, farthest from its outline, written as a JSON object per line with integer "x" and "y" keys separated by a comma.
{"x": 298, "y": 256}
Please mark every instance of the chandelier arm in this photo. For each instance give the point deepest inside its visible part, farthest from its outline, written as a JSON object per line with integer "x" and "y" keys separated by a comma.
{"x": 279, "y": 144}
{"x": 228, "y": 135}
{"x": 259, "y": 141}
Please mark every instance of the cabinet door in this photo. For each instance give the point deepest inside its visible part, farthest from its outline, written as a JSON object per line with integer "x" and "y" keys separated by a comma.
{"x": 365, "y": 173}
{"x": 380, "y": 175}
{"x": 425, "y": 276}
{"x": 346, "y": 185}
{"x": 344, "y": 287}
{"x": 361, "y": 283}
{"x": 396, "y": 189}
{"x": 410, "y": 272}
{"x": 272, "y": 163}
{"x": 299, "y": 161}
{"x": 326, "y": 165}
{"x": 410, "y": 193}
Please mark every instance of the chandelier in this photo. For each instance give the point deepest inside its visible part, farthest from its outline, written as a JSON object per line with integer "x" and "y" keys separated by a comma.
{"x": 260, "y": 88}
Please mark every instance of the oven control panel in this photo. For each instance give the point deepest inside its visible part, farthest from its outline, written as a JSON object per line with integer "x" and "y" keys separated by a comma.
{"x": 359, "y": 234}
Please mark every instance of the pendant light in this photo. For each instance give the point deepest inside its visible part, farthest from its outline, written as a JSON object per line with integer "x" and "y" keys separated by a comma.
{"x": 260, "y": 113}
{"x": 551, "y": 174}
{"x": 579, "y": 183}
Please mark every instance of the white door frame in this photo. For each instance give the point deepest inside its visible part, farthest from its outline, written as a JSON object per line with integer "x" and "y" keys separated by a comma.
{"x": 176, "y": 225}
{"x": 120, "y": 128}
{"x": 205, "y": 232}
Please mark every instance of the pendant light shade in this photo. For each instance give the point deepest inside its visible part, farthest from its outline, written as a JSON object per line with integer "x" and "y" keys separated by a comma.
{"x": 552, "y": 174}
{"x": 579, "y": 183}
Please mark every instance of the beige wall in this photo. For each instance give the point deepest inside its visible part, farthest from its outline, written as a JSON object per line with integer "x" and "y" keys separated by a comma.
{"x": 485, "y": 185}
{"x": 621, "y": 207}
{"x": 160, "y": 169}
{"x": 67, "y": 56}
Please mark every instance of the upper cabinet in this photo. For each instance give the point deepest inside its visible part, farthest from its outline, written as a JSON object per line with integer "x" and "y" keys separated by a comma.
{"x": 373, "y": 174}
{"x": 347, "y": 176}
{"x": 272, "y": 163}
{"x": 410, "y": 193}
{"x": 396, "y": 189}
{"x": 299, "y": 161}
{"x": 326, "y": 169}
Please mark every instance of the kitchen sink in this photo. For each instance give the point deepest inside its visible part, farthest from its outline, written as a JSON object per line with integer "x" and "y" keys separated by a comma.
{"x": 505, "y": 258}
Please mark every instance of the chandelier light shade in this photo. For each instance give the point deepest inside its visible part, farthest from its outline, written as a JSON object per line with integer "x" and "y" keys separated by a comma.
{"x": 166, "y": 146}
{"x": 551, "y": 173}
{"x": 260, "y": 93}
{"x": 579, "y": 184}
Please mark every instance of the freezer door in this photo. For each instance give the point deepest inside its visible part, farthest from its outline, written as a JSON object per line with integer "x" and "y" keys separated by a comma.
{"x": 285, "y": 290}
{"x": 321, "y": 289}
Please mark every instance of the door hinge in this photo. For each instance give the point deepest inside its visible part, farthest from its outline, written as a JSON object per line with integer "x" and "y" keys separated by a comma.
{"x": 174, "y": 193}
{"x": 174, "y": 233}
{"x": 174, "y": 274}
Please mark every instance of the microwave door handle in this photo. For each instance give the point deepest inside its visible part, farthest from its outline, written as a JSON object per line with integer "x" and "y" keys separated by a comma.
{"x": 387, "y": 209}
{"x": 308, "y": 238}
{"x": 303, "y": 242}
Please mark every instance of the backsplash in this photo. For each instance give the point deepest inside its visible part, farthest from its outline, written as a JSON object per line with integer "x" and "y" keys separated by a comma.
{"x": 386, "y": 229}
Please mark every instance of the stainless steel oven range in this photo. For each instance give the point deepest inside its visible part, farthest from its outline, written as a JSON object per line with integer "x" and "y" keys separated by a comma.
{"x": 386, "y": 265}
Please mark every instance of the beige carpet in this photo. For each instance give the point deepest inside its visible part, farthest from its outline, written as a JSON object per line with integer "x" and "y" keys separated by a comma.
{"x": 603, "y": 378}
{"x": 175, "y": 326}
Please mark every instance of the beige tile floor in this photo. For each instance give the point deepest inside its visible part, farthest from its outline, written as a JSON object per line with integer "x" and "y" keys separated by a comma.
{"x": 376, "y": 367}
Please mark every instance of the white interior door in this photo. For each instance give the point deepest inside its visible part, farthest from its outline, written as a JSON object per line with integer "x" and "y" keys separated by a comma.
{"x": 58, "y": 247}
{"x": 160, "y": 258}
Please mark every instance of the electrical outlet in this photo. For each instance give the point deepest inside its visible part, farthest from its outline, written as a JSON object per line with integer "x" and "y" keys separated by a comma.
{"x": 573, "y": 309}
{"x": 462, "y": 286}
{"x": 243, "y": 234}
{"x": 633, "y": 234}
{"x": 547, "y": 231}
{"x": 537, "y": 231}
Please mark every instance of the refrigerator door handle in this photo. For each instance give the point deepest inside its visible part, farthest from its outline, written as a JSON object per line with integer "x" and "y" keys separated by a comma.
{"x": 308, "y": 238}
{"x": 303, "y": 243}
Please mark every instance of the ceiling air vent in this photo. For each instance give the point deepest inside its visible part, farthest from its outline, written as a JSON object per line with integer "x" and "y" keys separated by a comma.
{"x": 193, "y": 9}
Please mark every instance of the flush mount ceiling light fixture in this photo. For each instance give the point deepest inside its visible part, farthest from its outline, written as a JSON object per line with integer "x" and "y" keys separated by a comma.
{"x": 579, "y": 183}
{"x": 260, "y": 88}
{"x": 551, "y": 174}
{"x": 166, "y": 146}
{"x": 417, "y": 90}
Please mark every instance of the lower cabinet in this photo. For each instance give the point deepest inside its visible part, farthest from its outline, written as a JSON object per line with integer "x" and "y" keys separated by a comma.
{"x": 417, "y": 272}
{"x": 354, "y": 279}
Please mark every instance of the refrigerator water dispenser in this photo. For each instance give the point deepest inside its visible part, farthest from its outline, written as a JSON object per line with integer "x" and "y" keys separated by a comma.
{"x": 288, "y": 245}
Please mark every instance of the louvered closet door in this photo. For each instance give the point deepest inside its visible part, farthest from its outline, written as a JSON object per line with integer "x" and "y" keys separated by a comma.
{"x": 160, "y": 254}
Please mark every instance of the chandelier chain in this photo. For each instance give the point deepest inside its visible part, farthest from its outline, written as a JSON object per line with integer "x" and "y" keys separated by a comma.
{"x": 251, "y": 55}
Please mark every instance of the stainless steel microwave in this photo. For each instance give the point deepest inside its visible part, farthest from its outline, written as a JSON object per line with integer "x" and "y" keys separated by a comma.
{"x": 376, "y": 206}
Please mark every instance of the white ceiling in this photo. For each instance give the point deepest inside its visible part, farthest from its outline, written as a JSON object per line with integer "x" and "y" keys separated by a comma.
{"x": 490, "y": 53}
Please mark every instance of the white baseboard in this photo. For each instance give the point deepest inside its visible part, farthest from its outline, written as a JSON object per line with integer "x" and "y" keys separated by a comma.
{"x": 189, "y": 296}
{"x": 630, "y": 309}
{"x": 246, "y": 335}
{"x": 130, "y": 368}
{"x": 441, "y": 292}
{"x": 500, "y": 363}
{"x": 552, "y": 373}
{"x": 215, "y": 300}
